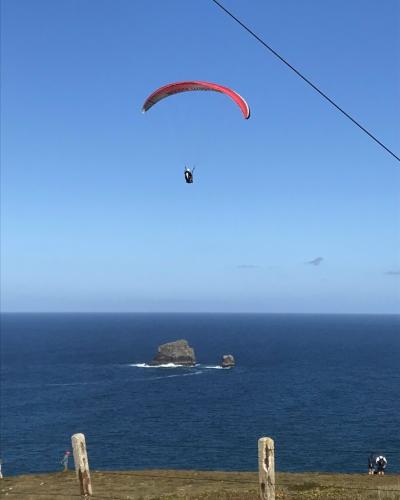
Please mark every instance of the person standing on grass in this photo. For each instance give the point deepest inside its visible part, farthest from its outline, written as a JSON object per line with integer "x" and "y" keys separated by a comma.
{"x": 381, "y": 464}
{"x": 64, "y": 461}
{"x": 371, "y": 464}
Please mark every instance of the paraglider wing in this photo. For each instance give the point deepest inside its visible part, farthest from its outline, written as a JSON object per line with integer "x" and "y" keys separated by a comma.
{"x": 178, "y": 87}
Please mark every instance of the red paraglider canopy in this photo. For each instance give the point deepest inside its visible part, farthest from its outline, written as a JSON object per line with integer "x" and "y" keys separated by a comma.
{"x": 178, "y": 87}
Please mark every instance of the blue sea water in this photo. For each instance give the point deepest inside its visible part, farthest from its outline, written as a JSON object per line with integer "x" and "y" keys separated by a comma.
{"x": 325, "y": 387}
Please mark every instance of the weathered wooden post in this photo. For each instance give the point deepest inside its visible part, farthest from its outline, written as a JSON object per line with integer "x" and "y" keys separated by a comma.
{"x": 266, "y": 468}
{"x": 81, "y": 464}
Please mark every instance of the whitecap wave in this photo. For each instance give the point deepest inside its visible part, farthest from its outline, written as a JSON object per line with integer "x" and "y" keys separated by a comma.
{"x": 216, "y": 367}
{"x": 163, "y": 377}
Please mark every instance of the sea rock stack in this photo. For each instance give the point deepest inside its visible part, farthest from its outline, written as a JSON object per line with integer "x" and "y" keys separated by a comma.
{"x": 228, "y": 361}
{"x": 177, "y": 352}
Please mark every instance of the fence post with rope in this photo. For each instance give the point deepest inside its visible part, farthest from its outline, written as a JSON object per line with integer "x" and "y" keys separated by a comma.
{"x": 266, "y": 468}
{"x": 81, "y": 464}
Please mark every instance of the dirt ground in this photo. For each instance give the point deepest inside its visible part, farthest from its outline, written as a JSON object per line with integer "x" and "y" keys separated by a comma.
{"x": 190, "y": 485}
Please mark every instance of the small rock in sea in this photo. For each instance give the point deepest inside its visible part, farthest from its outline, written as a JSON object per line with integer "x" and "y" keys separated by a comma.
{"x": 228, "y": 361}
{"x": 178, "y": 353}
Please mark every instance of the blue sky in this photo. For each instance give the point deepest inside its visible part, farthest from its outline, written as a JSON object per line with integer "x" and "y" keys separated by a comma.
{"x": 95, "y": 212}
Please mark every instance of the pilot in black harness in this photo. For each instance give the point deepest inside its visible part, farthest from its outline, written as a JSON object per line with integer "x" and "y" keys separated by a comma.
{"x": 188, "y": 175}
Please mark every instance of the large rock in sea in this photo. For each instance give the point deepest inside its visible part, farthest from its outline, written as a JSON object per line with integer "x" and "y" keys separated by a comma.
{"x": 177, "y": 352}
{"x": 228, "y": 361}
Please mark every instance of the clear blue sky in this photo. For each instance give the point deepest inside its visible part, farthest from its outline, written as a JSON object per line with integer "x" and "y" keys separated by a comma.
{"x": 95, "y": 212}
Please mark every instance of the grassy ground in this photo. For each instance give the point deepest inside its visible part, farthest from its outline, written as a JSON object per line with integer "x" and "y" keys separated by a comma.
{"x": 174, "y": 484}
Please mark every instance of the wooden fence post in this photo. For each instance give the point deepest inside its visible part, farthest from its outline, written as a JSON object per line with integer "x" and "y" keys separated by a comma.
{"x": 266, "y": 468}
{"x": 81, "y": 464}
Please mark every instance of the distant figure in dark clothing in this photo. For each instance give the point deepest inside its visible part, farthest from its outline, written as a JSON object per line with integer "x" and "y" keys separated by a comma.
{"x": 371, "y": 464}
{"x": 381, "y": 464}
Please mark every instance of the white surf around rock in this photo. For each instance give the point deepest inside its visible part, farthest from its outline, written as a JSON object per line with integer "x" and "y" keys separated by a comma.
{"x": 173, "y": 365}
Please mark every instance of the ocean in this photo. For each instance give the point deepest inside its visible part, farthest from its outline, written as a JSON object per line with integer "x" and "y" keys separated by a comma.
{"x": 326, "y": 388}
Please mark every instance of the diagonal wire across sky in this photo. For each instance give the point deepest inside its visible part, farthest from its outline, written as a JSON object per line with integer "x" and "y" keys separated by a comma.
{"x": 309, "y": 82}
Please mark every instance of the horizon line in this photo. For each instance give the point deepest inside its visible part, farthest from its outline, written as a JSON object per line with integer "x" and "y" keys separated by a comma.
{"x": 210, "y": 312}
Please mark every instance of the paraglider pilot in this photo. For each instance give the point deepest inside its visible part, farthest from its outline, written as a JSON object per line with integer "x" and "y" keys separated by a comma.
{"x": 188, "y": 175}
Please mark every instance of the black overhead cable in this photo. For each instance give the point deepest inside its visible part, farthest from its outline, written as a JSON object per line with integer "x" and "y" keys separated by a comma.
{"x": 305, "y": 79}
